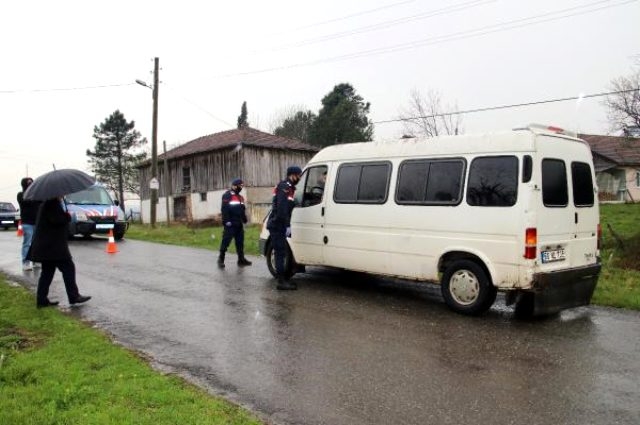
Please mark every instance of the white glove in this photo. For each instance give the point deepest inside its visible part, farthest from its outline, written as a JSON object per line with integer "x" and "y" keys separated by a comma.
{"x": 288, "y": 232}
{"x": 228, "y": 224}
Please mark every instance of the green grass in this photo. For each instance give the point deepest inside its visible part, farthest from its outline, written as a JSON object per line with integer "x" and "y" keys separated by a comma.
{"x": 618, "y": 286}
{"x": 619, "y": 283}
{"x": 57, "y": 370}
{"x": 205, "y": 237}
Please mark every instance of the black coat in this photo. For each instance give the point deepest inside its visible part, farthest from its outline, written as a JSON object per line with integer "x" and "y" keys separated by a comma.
{"x": 282, "y": 205}
{"x": 28, "y": 209}
{"x": 50, "y": 239}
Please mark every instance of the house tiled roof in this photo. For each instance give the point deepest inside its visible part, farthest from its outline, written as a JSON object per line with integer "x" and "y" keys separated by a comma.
{"x": 232, "y": 138}
{"x": 619, "y": 150}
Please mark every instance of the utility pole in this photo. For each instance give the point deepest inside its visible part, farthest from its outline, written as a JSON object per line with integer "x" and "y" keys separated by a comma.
{"x": 167, "y": 188}
{"x": 154, "y": 143}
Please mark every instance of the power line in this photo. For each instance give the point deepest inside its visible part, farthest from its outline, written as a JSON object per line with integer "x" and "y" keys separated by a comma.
{"x": 343, "y": 18}
{"x": 386, "y": 24}
{"x": 515, "y": 105}
{"x": 66, "y": 88}
{"x": 478, "y": 32}
{"x": 201, "y": 108}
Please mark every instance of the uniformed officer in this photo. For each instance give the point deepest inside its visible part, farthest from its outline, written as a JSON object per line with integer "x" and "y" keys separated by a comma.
{"x": 233, "y": 218}
{"x": 279, "y": 223}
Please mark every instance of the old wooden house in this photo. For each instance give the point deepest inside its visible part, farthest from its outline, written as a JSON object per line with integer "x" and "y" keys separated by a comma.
{"x": 201, "y": 170}
{"x": 617, "y": 163}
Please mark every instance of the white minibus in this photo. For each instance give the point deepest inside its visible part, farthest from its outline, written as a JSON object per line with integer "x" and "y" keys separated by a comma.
{"x": 513, "y": 211}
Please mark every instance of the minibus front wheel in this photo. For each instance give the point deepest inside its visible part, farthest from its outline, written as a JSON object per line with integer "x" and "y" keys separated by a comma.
{"x": 466, "y": 288}
{"x": 289, "y": 262}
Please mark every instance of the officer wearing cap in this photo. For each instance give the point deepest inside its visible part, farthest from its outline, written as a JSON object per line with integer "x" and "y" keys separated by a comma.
{"x": 233, "y": 218}
{"x": 279, "y": 223}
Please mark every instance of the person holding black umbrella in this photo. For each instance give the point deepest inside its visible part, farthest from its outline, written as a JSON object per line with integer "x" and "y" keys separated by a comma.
{"x": 50, "y": 245}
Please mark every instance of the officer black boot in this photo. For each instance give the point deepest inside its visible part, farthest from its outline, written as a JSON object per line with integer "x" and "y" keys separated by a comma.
{"x": 285, "y": 284}
{"x": 243, "y": 261}
{"x": 221, "y": 260}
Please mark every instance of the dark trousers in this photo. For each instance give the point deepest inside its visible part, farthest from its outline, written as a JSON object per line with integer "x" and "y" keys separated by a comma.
{"x": 68, "y": 270}
{"x": 279, "y": 241}
{"x": 235, "y": 231}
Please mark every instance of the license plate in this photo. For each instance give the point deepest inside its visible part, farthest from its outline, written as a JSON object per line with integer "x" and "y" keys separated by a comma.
{"x": 104, "y": 226}
{"x": 7, "y": 221}
{"x": 553, "y": 255}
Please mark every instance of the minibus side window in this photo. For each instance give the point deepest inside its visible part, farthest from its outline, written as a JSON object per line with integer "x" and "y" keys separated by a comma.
{"x": 445, "y": 182}
{"x": 582, "y": 184}
{"x": 362, "y": 183}
{"x": 373, "y": 183}
{"x": 493, "y": 181}
{"x": 347, "y": 183}
{"x": 313, "y": 189}
{"x": 432, "y": 182}
{"x": 554, "y": 183}
{"x": 527, "y": 168}
{"x": 412, "y": 182}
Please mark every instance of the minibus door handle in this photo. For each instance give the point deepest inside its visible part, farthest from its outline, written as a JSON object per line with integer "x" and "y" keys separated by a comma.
{"x": 576, "y": 218}
{"x": 322, "y": 212}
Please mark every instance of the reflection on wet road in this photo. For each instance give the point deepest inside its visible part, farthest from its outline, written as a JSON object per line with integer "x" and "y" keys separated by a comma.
{"x": 352, "y": 349}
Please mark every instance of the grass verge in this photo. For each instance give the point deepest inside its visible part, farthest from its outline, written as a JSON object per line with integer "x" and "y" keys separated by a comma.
{"x": 205, "y": 237}
{"x": 619, "y": 283}
{"x": 56, "y": 370}
{"x": 618, "y": 286}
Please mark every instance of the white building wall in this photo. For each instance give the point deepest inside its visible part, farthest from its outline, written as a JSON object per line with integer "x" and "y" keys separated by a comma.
{"x": 200, "y": 210}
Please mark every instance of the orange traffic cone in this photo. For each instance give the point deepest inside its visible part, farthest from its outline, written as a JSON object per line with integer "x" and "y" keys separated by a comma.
{"x": 111, "y": 245}
{"x": 20, "y": 231}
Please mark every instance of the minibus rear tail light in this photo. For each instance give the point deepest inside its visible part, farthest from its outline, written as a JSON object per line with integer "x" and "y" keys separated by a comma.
{"x": 530, "y": 243}
{"x": 599, "y": 236}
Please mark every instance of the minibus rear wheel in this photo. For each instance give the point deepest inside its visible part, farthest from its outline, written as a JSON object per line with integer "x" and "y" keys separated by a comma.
{"x": 289, "y": 262}
{"x": 466, "y": 288}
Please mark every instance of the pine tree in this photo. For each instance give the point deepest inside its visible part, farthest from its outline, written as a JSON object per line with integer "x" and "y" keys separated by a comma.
{"x": 242, "y": 119}
{"x": 112, "y": 161}
{"x": 342, "y": 118}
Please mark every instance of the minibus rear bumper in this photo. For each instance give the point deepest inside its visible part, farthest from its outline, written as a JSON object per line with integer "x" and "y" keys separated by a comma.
{"x": 556, "y": 291}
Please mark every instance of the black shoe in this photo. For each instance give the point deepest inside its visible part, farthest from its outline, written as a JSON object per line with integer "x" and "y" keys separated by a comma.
{"x": 220, "y": 264}
{"x": 81, "y": 299}
{"x": 244, "y": 262}
{"x": 286, "y": 285}
{"x": 47, "y": 304}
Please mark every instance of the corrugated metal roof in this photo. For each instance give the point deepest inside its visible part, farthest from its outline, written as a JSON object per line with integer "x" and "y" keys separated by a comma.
{"x": 232, "y": 138}
{"x": 620, "y": 150}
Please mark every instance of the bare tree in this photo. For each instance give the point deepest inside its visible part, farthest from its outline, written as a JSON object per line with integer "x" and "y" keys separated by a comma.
{"x": 294, "y": 122}
{"x": 428, "y": 116}
{"x": 283, "y": 114}
{"x": 624, "y": 106}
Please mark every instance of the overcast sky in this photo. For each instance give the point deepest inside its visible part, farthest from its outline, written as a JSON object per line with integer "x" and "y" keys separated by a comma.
{"x": 282, "y": 53}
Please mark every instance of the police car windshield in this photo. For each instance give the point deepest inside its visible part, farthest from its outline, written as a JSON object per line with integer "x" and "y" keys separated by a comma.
{"x": 95, "y": 195}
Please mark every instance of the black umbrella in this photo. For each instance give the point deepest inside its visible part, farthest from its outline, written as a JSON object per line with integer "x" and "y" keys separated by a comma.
{"x": 58, "y": 183}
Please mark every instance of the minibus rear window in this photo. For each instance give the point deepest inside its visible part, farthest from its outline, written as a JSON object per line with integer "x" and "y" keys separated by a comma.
{"x": 554, "y": 183}
{"x": 582, "y": 184}
{"x": 363, "y": 183}
{"x": 493, "y": 181}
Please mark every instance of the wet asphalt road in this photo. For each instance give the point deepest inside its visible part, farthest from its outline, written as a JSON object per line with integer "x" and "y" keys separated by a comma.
{"x": 348, "y": 349}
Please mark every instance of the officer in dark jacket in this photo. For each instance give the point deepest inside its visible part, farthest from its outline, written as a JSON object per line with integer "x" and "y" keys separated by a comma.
{"x": 233, "y": 218}
{"x": 50, "y": 247}
{"x": 28, "y": 214}
{"x": 279, "y": 223}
